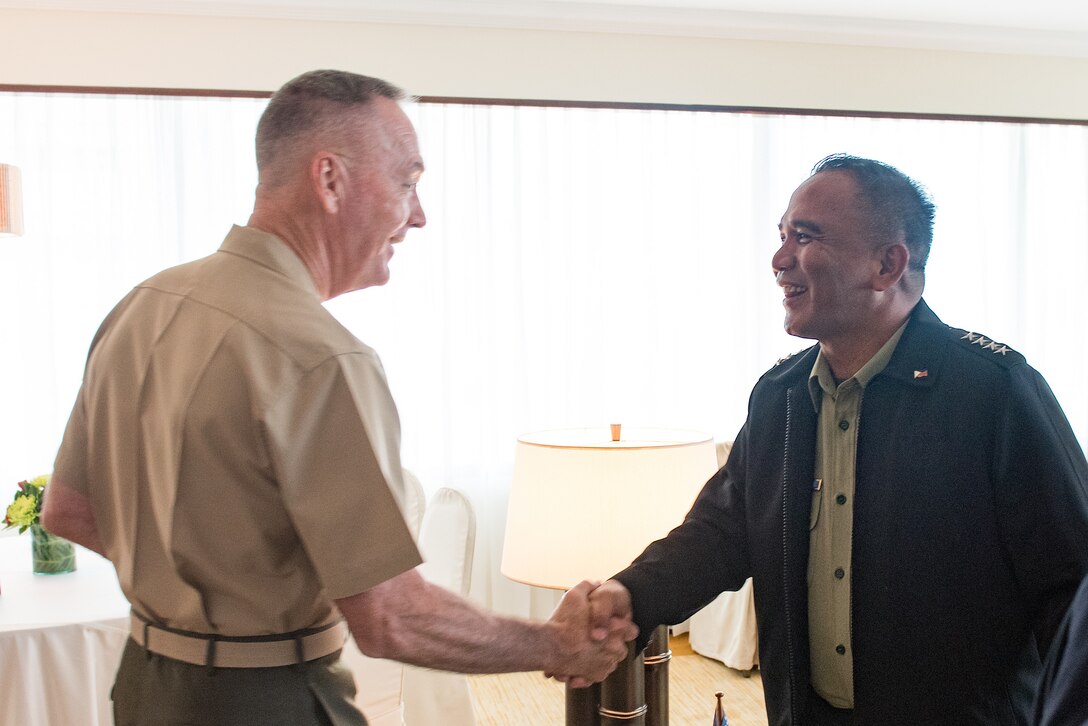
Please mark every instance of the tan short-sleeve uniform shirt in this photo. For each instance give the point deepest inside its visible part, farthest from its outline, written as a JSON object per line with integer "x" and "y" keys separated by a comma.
{"x": 240, "y": 447}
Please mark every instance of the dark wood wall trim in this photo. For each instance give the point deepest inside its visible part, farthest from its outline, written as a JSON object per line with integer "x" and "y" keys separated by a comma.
{"x": 762, "y": 110}
{"x": 702, "y": 108}
{"x": 126, "y": 91}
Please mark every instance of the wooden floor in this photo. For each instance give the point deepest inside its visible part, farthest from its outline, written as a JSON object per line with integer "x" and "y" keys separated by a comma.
{"x": 529, "y": 699}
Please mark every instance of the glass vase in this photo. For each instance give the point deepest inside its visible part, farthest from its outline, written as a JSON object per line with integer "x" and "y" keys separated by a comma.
{"x": 51, "y": 555}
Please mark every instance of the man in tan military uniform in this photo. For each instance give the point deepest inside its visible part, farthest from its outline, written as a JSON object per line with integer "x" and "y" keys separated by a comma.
{"x": 234, "y": 451}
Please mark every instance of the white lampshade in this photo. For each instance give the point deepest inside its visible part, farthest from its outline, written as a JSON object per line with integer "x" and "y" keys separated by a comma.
{"x": 583, "y": 506}
{"x": 11, "y": 201}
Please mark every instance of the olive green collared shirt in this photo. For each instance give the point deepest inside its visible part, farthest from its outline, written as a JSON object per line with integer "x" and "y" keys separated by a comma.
{"x": 831, "y": 523}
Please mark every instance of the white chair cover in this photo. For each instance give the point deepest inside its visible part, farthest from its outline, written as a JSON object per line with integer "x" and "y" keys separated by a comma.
{"x": 447, "y": 540}
{"x": 379, "y": 682}
{"x": 415, "y": 504}
{"x": 725, "y": 629}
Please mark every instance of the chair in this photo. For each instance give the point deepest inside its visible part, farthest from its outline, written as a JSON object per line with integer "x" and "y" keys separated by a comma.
{"x": 726, "y": 628}
{"x": 394, "y": 694}
{"x": 379, "y": 682}
{"x": 415, "y": 503}
{"x": 447, "y": 540}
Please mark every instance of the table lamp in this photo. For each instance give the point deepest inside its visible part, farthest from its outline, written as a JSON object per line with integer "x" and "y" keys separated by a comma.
{"x": 583, "y": 504}
{"x": 11, "y": 201}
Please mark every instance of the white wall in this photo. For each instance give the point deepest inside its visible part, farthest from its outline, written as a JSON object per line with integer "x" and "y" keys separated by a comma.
{"x": 100, "y": 49}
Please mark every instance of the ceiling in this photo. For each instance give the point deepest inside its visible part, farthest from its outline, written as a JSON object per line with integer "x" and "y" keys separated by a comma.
{"x": 1051, "y": 27}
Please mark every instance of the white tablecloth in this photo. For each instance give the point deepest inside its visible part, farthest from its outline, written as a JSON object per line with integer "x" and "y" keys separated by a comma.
{"x": 61, "y": 638}
{"x": 726, "y": 629}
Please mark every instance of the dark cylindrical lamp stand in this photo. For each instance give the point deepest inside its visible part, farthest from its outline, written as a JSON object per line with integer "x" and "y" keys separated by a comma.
{"x": 582, "y": 705}
{"x": 623, "y": 694}
{"x": 635, "y": 694}
{"x": 656, "y": 659}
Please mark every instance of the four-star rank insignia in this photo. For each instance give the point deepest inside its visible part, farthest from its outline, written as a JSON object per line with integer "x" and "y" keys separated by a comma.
{"x": 985, "y": 343}
{"x": 784, "y": 358}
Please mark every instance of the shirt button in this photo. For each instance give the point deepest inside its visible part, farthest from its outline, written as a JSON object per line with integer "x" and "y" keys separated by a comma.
{"x": 844, "y": 424}
{"x": 840, "y": 649}
{"x": 841, "y": 499}
{"x": 839, "y": 573}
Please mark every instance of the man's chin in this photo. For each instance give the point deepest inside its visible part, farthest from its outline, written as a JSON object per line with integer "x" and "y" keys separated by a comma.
{"x": 375, "y": 278}
{"x": 798, "y": 329}
{"x": 379, "y": 279}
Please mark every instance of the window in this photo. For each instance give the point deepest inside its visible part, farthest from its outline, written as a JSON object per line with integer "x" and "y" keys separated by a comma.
{"x": 579, "y": 267}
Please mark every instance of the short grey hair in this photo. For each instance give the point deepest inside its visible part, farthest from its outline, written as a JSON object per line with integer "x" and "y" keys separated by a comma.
{"x": 312, "y": 101}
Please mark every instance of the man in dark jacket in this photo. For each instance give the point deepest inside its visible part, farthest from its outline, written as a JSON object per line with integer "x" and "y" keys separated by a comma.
{"x": 908, "y": 497}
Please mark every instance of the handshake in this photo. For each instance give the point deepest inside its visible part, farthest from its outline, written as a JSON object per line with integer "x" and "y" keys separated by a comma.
{"x": 591, "y": 628}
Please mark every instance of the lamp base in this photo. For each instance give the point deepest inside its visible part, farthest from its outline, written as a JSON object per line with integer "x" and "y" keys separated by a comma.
{"x": 656, "y": 659}
{"x": 635, "y": 694}
{"x": 582, "y": 705}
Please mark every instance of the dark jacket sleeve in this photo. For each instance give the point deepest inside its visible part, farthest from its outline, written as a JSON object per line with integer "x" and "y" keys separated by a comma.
{"x": 1041, "y": 485}
{"x": 707, "y": 554}
{"x": 1063, "y": 693}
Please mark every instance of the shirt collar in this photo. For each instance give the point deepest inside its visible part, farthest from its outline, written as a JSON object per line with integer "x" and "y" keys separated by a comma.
{"x": 269, "y": 251}
{"x": 821, "y": 380}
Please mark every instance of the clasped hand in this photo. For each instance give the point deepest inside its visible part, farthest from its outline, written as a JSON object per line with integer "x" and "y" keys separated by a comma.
{"x": 593, "y": 626}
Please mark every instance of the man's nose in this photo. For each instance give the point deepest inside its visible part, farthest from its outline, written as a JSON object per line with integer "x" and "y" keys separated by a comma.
{"x": 783, "y": 258}
{"x": 416, "y": 217}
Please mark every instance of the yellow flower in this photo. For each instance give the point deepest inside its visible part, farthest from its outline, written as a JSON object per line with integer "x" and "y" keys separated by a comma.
{"x": 23, "y": 512}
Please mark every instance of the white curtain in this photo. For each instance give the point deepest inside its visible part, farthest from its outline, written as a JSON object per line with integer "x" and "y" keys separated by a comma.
{"x": 114, "y": 189}
{"x": 579, "y": 267}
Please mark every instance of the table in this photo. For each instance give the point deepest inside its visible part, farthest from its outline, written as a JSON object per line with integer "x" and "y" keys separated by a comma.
{"x": 726, "y": 629}
{"x": 61, "y": 638}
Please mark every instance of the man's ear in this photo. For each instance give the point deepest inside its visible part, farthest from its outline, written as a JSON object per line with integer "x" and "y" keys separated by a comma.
{"x": 327, "y": 180}
{"x": 894, "y": 259}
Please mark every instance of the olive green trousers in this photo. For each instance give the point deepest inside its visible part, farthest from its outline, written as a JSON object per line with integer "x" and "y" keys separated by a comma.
{"x": 153, "y": 690}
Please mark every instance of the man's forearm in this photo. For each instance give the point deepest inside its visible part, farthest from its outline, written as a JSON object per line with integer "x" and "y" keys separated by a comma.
{"x": 413, "y": 621}
{"x": 464, "y": 638}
